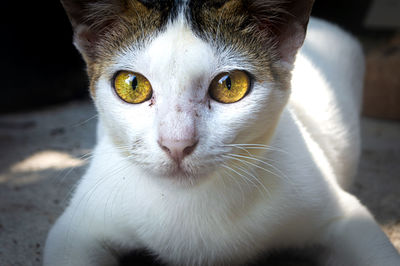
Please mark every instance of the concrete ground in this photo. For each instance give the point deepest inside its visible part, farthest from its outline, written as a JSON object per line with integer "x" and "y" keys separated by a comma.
{"x": 43, "y": 153}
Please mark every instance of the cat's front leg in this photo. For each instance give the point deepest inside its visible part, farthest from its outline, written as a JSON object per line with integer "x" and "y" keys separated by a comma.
{"x": 354, "y": 238}
{"x": 75, "y": 242}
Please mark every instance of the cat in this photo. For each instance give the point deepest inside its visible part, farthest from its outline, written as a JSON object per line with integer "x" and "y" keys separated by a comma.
{"x": 217, "y": 140}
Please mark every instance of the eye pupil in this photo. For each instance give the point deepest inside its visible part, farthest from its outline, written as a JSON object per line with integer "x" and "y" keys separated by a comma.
{"x": 131, "y": 80}
{"x": 227, "y": 80}
{"x": 228, "y": 83}
{"x": 134, "y": 83}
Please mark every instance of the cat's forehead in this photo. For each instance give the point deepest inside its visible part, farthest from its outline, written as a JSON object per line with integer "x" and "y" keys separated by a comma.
{"x": 178, "y": 47}
{"x": 223, "y": 25}
{"x": 176, "y": 60}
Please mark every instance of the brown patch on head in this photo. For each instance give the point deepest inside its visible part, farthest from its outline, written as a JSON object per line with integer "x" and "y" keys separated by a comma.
{"x": 102, "y": 28}
{"x": 261, "y": 31}
{"x": 264, "y": 32}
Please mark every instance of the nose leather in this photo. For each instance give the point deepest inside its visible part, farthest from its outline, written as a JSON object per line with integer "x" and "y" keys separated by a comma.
{"x": 178, "y": 149}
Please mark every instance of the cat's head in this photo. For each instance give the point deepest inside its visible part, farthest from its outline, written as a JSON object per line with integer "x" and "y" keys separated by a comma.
{"x": 179, "y": 83}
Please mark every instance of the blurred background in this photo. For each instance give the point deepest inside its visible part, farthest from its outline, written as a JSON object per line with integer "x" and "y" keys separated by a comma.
{"x": 48, "y": 123}
{"x": 39, "y": 65}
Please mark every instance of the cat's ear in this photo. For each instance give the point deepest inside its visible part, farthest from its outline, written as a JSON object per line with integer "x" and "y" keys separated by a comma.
{"x": 284, "y": 22}
{"x": 89, "y": 19}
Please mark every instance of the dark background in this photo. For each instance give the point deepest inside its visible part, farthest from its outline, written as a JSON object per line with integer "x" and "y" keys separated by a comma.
{"x": 39, "y": 65}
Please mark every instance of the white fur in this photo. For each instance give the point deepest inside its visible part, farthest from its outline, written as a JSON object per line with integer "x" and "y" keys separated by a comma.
{"x": 287, "y": 197}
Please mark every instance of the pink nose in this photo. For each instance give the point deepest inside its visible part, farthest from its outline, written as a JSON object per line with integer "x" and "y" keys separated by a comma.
{"x": 178, "y": 149}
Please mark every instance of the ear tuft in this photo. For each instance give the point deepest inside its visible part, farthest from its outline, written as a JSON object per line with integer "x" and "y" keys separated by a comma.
{"x": 90, "y": 18}
{"x": 282, "y": 21}
{"x": 85, "y": 40}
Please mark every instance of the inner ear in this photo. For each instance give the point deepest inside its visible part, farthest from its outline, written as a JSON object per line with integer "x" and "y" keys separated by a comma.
{"x": 90, "y": 18}
{"x": 85, "y": 40}
{"x": 282, "y": 22}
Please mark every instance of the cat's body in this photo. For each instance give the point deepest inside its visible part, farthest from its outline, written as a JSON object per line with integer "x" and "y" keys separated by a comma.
{"x": 223, "y": 210}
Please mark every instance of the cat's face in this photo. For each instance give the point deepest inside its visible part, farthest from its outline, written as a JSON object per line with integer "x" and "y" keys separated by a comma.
{"x": 179, "y": 90}
{"x": 180, "y": 68}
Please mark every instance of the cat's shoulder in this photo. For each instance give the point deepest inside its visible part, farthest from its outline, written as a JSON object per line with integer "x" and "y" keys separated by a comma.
{"x": 326, "y": 94}
{"x": 329, "y": 35}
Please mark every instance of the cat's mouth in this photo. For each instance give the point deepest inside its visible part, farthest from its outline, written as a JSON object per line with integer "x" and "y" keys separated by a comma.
{"x": 181, "y": 170}
{"x": 192, "y": 169}
{"x": 164, "y": 165}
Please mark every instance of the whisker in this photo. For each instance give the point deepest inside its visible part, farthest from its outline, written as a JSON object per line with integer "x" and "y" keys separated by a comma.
{"x": 85, "y": 157}
{"x": 255, "y": 178}
{"x": 244, "y": 149}
{"x": 255, "y": 146}
{"x": 263, "y": 162}
{"x": 247, "y": 178}
{"x": 244, "y": 178}
{"x": 84, "y": 122}
{"x": 236, "y": 181}
{"x": 88, "y": 195}
{"x": 256, "y": 156}
{"x": 114, "y": 192}
{"x": 253, "y": 164}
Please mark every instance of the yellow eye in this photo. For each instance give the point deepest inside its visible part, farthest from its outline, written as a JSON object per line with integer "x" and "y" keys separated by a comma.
{"x": 230, "y": 87}
{"x": 132, "y": 87}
